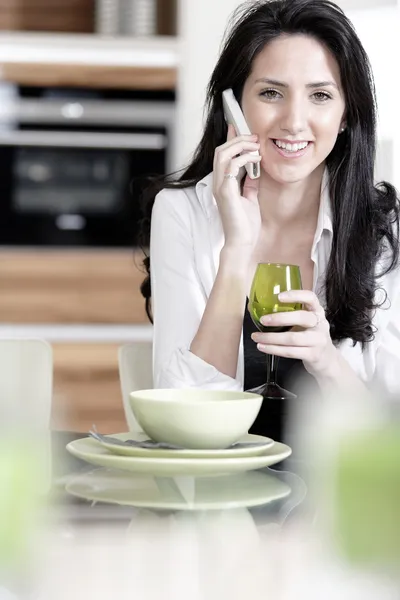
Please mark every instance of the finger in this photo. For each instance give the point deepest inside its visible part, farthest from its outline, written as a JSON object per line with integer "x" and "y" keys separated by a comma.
{"x": 250, "y": 189}
{"x": 300, "y": 353}
{"x": 302, "y": 338}
{"x": 223, "y": 156}
{"x": 235, "y": 164}
{"x": 235, "y": 148}
{"x": 305, "y": 297}
{"x": 233, "y": 136}
{"x": 252, "y": 139}
{"x": 299, "y": 318}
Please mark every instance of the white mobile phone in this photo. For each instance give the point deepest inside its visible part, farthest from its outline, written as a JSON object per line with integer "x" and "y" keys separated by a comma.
{"x": 234, "y": 116}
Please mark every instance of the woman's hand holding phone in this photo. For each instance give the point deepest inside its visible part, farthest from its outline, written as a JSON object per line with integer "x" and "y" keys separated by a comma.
{"x": 238, "y": 205}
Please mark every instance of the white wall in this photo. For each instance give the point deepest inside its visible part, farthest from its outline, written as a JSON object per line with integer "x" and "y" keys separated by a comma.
{"x": 202, "y": 24}
{"x": 379, "y": 31}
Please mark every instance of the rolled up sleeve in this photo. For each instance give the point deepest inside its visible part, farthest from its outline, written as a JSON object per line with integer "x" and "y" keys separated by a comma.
{"x": 178, "y": 299}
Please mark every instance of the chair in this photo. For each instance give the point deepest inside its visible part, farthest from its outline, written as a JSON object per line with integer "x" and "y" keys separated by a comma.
{"x": 26, "y": 384}
{"x": 136, "y": 373}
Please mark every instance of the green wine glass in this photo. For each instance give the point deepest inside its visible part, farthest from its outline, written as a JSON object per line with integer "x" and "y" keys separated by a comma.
{"x": 269, "y": 281}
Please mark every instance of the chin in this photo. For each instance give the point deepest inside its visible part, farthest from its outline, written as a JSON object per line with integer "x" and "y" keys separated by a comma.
{"x": 289, "y": 174}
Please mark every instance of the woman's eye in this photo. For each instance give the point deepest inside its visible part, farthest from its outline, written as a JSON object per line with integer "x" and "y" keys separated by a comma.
{"x": 270, "y": 94}
{"x": 322, "y": 96}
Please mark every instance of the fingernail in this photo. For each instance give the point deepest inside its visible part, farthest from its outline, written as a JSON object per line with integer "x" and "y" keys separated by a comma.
{"x": 283, "y": 296}
{"x": 255, "y": 337}
{"x": 265, "y": 320}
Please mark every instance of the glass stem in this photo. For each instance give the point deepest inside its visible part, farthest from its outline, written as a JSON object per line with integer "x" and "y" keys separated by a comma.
{"x": 272, "y": 368}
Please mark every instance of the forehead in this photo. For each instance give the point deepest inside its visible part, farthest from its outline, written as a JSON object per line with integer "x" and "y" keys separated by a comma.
{"x": 296, "y": 58}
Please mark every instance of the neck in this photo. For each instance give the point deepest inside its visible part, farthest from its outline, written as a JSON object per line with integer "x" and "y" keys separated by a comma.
{"x": 290, "y": 205}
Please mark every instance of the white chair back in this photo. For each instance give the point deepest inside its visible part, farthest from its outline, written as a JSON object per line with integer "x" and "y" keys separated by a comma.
{"x": 26, "y": 378}
{"x": 136, "y": 373}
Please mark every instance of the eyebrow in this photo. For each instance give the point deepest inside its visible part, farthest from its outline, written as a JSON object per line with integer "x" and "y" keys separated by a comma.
{"x": 309, "y": 85}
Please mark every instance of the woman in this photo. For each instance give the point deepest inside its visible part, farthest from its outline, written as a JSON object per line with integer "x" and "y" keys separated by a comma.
{"x": 301, "y": 77}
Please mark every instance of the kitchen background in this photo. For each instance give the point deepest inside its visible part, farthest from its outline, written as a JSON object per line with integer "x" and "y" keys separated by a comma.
{"x": 95, "y": 94}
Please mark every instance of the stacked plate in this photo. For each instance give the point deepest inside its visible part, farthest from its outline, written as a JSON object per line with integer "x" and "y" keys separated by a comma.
{"x": 240, "y": 490}
{"x": 250, "y": 453}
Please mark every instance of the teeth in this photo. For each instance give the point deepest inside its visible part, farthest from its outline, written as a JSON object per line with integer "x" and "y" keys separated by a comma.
{"x": 291, "y": 147}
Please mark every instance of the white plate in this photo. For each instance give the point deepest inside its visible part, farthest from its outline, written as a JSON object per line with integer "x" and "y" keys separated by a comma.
{"x": 92, "y": 452}
{"x": 157, "y": 452}
{"x": 181, "y": 493}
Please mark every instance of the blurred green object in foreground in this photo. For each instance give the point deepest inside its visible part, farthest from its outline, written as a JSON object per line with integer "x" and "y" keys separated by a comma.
{"x": 21, "y": 470}
{"x": 367, "y": 502}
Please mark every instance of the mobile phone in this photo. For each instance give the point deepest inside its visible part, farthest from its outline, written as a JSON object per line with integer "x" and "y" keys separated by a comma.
{"x": 234, "y": 116}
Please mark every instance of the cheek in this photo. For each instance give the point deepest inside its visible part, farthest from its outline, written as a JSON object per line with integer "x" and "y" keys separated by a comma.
{"x": 327, "y": 126}
{"x": 259, "y": 119}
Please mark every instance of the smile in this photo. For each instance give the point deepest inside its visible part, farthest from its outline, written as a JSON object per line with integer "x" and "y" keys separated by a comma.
{"x": 293, "y": 149}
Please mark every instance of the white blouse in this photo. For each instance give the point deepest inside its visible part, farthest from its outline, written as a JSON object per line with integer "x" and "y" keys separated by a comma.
{"x": 186, "y": 240}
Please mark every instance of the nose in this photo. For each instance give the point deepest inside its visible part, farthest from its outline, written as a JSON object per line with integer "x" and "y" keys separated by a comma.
{"x": 294, "y": 118}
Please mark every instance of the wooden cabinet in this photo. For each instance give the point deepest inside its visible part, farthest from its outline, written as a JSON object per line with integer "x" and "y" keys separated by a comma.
{"x": 96, "y": 287}
{"x": 167, "y": 17}
{"x": 90, "y": 76}
{"x": 47, "y": 15}
{"x": 77, "y": 16}
{"x": 86, "y": 388}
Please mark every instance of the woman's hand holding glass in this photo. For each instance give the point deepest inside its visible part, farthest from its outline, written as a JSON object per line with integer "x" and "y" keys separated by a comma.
{"x": 239, "y": 210}
{"x": 307, "y": 336}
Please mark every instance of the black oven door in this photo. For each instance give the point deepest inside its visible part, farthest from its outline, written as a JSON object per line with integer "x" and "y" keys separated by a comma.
{"x": 76, "y": 184}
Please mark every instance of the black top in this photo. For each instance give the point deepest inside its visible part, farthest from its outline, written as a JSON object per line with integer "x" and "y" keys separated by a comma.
{"x": 272, "y": 417}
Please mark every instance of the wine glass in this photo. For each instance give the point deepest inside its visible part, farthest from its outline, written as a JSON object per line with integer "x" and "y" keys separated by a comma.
{"x": 270, "y": 280}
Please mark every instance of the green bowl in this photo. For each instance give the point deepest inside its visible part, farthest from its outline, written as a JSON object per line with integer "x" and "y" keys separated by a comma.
{"x": 191, "y": 418}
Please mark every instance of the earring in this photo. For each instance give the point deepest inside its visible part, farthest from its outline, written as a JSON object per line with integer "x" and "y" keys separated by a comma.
{"x": 343, "y": 129}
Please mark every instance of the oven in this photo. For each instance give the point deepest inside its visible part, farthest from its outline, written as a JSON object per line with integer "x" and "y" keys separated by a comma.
{"x": 73, "y": 163}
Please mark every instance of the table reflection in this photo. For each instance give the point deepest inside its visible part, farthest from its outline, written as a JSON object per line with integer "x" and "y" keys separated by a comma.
{"x": 111, "y": 533}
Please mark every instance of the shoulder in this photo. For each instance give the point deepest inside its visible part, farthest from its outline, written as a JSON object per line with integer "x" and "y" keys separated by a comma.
{"x": 184, "y": 203}
{"x": 172, "y": 204}
{"x": 171, "y": 197}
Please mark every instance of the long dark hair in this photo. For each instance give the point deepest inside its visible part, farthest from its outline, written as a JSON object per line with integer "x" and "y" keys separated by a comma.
{"x": 365, "y": 216}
